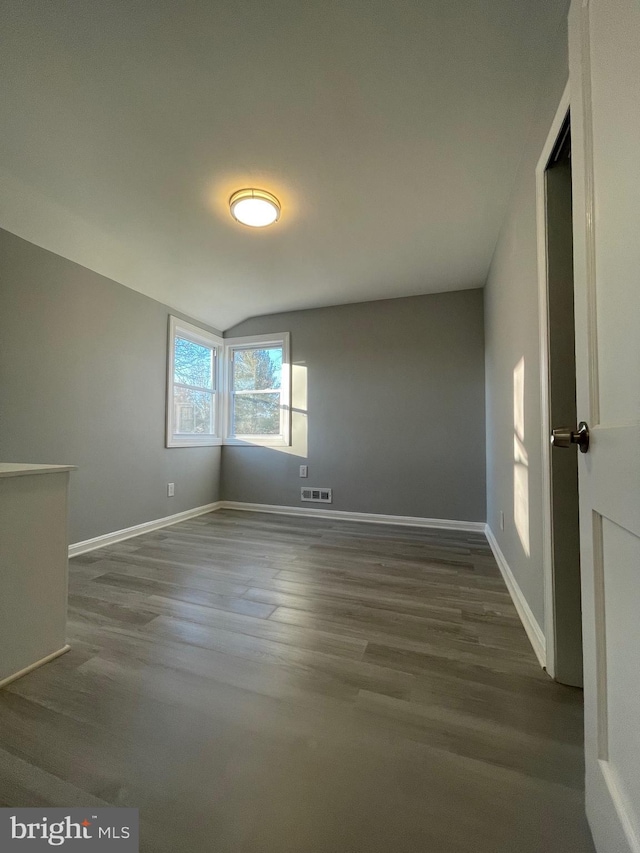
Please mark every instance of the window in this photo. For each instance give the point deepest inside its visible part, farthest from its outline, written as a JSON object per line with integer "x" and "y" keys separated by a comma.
{"x": 193, "y": 415}
{"x": 242, "y": 398}
{"x": 258, "y": 382}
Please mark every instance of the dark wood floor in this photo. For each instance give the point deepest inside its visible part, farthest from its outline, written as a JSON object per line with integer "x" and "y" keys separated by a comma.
{"x": 266, "y": 684}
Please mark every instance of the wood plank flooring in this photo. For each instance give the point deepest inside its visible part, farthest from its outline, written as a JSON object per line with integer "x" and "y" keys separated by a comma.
{"x": 264, "y": 684}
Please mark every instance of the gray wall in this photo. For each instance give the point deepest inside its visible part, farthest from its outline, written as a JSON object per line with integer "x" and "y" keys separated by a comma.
{"x": 388, "y": 409}
{"x": 511, "y": 335}
{"x": 388, "y": 401}
{"x": 82, "y": 381}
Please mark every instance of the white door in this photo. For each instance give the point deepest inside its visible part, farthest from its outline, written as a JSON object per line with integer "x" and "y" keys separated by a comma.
{"x": 604, "y": 58}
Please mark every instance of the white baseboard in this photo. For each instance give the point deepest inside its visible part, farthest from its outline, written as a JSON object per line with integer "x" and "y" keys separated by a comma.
{"x": 367, "y": 517}
{"x": 609, "y": 811}
{"x": 531, "y": 626}
{"x": 31, "y": 667}
{"x": 138, "y": 529}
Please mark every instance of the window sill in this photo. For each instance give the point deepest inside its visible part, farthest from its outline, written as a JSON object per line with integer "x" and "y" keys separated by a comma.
{"x": 258, "y": 441}
{"x": 198, "y": 442}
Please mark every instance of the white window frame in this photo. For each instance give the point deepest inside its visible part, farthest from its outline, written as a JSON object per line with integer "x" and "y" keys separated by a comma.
{"x": 281, "y": 339}
{"x": 196, "y": 335}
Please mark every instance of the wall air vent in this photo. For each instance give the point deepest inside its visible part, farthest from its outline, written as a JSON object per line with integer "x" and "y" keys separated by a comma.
{"x": 321, "y": 496}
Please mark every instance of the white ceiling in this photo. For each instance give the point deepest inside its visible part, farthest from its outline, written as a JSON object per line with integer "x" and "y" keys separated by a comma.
{"x": 390, "y": 130}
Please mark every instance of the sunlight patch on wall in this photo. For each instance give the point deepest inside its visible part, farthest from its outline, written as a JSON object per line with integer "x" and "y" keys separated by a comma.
{"x": 520, "y": 461}
{"x": 299, "y": 426}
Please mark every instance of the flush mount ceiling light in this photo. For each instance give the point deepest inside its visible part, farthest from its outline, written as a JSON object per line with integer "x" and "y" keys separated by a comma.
{"x": 255, "y": 208}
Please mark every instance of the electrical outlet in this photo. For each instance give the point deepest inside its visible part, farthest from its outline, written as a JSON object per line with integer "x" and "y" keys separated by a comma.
{"x": 304, "y": 470}
{"x": 501, "y": 520}
{"x": 171, "y": 489}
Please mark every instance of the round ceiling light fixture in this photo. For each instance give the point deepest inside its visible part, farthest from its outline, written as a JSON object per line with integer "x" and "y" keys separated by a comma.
{"x": 255, "y": 208}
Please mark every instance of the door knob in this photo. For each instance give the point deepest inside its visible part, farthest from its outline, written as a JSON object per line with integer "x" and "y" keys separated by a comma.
{"x": 565, "y": 437}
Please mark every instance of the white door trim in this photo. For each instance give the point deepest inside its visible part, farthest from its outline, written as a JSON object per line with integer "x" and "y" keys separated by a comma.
{"x": 545, "y": 400}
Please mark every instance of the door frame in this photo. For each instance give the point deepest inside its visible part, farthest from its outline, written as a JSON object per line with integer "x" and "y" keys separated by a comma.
{"x": 545, "y": 393}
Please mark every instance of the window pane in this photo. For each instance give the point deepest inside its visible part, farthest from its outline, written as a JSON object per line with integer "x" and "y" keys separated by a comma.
{"x": 193, "y": 363}
{"x": 257, "y": 369}
{"x": 256, "y": 414}
{"x": 193, "y": 412}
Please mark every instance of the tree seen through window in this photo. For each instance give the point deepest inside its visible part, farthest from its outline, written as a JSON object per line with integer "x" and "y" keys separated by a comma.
{"x": 257, "y": 380}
